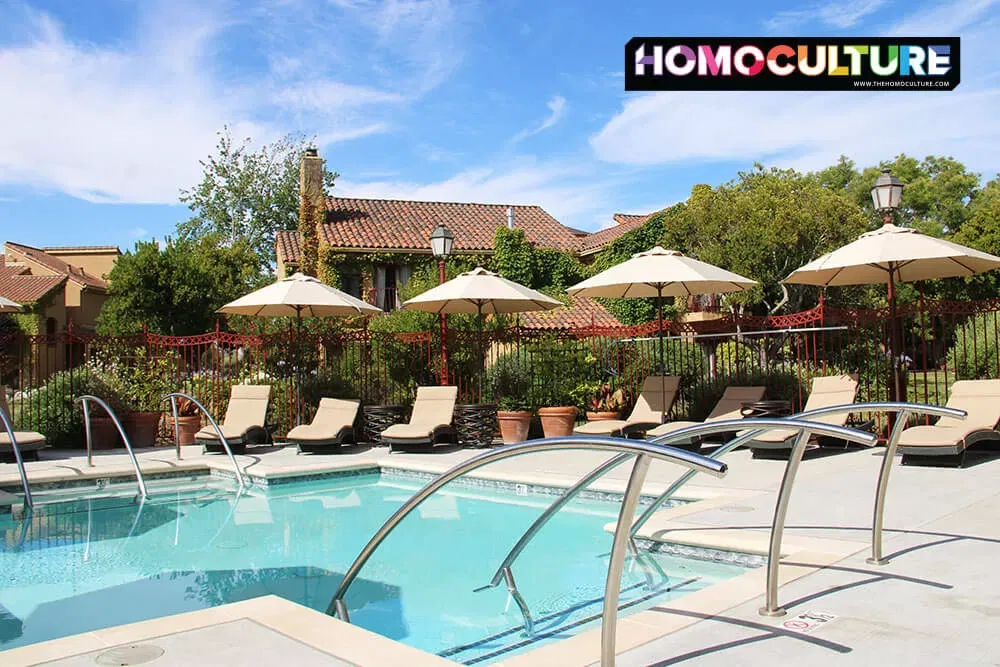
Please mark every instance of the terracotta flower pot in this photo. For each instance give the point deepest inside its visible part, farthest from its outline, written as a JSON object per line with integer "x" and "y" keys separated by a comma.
{"x": 557, "y": 421}
{"x": 141, "y": 428}
{"x": 603, "y": 416}
{"x": 514, "y": 425}
{"x": 104, "y": 434}
{"x": 187, "y": 427}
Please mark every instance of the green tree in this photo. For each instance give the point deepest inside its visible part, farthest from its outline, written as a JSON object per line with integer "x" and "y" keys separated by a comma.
{"x": 247, "y": 195}
{"x": 764, "y": 225}
{"x": 176, "y": 289}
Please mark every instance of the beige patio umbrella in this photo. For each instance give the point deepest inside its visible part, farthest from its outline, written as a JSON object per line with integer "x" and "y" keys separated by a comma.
{"x": 891, "y": 255}
{"x": 298, "y": 296}
{"x": 8, "y": 306}
{"x": 481, "y": 292}
{"x": 659, "y": 273}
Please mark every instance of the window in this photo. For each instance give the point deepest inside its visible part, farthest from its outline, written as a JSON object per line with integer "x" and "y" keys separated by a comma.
{"x": 350, "y": 280}
{"x": 50, "y": 330}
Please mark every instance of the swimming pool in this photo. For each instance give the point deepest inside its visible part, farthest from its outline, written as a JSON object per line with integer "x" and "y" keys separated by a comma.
{"x": 86, "y": 564}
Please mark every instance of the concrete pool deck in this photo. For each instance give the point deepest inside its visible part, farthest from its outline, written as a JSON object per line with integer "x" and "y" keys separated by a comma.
{"x": 939, "y": 598}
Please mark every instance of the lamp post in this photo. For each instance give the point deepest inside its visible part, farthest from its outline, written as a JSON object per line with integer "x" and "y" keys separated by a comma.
{"x": 886, "y": 195}
{"x": 442, "y": 242}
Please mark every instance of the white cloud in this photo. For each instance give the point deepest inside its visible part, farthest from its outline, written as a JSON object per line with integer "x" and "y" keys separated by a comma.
{"x": 570, "y": 192}
{"x": 838, "y": 14}
{"x": 138, "y": 232}
{"x": 808, "y": 130}
{"x": 128, "y": 121}
{"x": 557, "y": 109}
{"x": 946, "y": 18}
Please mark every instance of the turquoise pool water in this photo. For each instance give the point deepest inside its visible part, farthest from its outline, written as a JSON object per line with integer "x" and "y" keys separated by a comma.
{"x": 87, "y": 564}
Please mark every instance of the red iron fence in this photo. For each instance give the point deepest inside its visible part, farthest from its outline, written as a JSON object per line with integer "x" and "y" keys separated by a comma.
{"x": 942, "y": 341}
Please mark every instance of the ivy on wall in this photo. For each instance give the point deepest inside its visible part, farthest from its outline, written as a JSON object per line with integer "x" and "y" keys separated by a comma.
{"x": 636, "y": 311}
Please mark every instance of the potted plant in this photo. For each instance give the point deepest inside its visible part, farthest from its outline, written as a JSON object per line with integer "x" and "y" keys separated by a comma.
{"x": 560, "y": 365}
{"x": 188, "y": 421}
{"x": 600, "y": 400}
{"x": 141, "y": 380}
{"x": 509, "y": 380}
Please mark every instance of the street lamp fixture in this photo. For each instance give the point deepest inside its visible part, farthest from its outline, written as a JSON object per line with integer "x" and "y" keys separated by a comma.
{"x": 442, "y": 242}
{"x": 887, "y": 194}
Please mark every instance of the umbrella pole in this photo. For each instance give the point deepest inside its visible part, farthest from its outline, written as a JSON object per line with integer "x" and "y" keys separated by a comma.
{"x": 663, "y": 368}
{"x": 298, "y": 366}
{"x": 893, "y": 347}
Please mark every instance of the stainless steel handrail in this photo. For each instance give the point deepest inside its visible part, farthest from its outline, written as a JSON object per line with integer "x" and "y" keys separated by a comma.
{"x": 85, "y": 401}
{"x": 218, "y": 431}
{"x": 680, "y": 435}
{"x": 904, "y": 410}
{"x": 544, "y": 517}
{"x": 9, "y": 427}
{"x": 646, "y": 450}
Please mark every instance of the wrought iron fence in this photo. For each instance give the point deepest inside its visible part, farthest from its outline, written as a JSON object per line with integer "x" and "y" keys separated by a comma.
{"x": 942, "y": 342}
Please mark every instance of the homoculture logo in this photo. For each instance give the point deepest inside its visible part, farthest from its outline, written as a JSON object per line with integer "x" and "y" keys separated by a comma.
{"x": 758, "y": 63}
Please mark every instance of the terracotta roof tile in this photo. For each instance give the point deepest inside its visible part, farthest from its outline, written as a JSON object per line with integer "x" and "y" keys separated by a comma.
{"x": 407, "y": 225}
{"x": 58, "y": 266}
{"x": 27, "y": 289}
{"x": 582, "y": 312}
{"x": 623, "y": 223}
{"x": 288, "y": 245}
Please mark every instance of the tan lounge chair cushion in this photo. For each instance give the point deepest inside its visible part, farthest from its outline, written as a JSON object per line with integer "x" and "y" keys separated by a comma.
{"x": 826, "y": 392}
{"x": 980, "y": 399}
{"x": 728, "y": 407}
{"x": 655, "y": 400}
{"x": 434, "y": 408}
{"x": 26, "y": 440}
{"x": 332, "y": 416}
{"x": 247, "y": 408}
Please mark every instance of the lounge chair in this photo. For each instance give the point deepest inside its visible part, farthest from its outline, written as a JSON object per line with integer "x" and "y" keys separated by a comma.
{"x": 430, "y": 421}
{"x": 28, "y": 442}
{"x": 826, "y": 392}
{"x": 244, "y": 421}
{"x": 331, "y": 427}
{"x": 729, "y": 407}
{"x": 654, "y": 403}
{"x": 945, "y": 442}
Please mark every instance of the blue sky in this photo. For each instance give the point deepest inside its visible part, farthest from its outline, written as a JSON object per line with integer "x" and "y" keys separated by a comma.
{"x": 109, "y": 104}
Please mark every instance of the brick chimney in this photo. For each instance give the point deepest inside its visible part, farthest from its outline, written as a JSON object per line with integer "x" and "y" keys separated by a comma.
{"x": 312, "y": 209}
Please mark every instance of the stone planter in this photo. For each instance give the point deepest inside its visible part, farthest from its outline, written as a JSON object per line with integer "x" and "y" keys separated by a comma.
{"x": 141, "y": 428}
{"x": 187, "y": 427}
{"x": 514, "y": 426}
{"x": 603, "y": 416}
{"x": 557, "y": 421}
{"x": 104, "y": 434}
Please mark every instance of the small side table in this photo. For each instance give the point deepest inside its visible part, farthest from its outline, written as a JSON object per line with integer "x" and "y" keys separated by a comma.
{"x": 758, "y": 409}
{"x": 476, "y": 424}
{"x": 378, "y": 418}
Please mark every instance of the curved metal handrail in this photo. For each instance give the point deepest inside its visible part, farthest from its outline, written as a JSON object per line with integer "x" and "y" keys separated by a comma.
{"x": 903, "y": 410}
{"x": 9, "y": 427}
{"x": 677, "y": 436}
{"x": 85, "y": 401}
{"x": 218, "y": 431}
{"x": 645, "y": 450}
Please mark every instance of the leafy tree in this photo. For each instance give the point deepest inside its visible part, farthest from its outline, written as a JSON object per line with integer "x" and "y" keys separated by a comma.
{"x": 176, "y": 289}
{"x": 247, "y": 195}
{"x": 764, "y": 225}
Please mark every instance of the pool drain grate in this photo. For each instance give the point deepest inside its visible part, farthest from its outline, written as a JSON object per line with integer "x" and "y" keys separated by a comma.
{"x": 133, "y": 654}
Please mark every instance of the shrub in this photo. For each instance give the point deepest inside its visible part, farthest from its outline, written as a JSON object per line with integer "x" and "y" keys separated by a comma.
{"x": 509, "y": 382}
{"x": 974, "y": 354}
{"x": 53, "y": 411}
